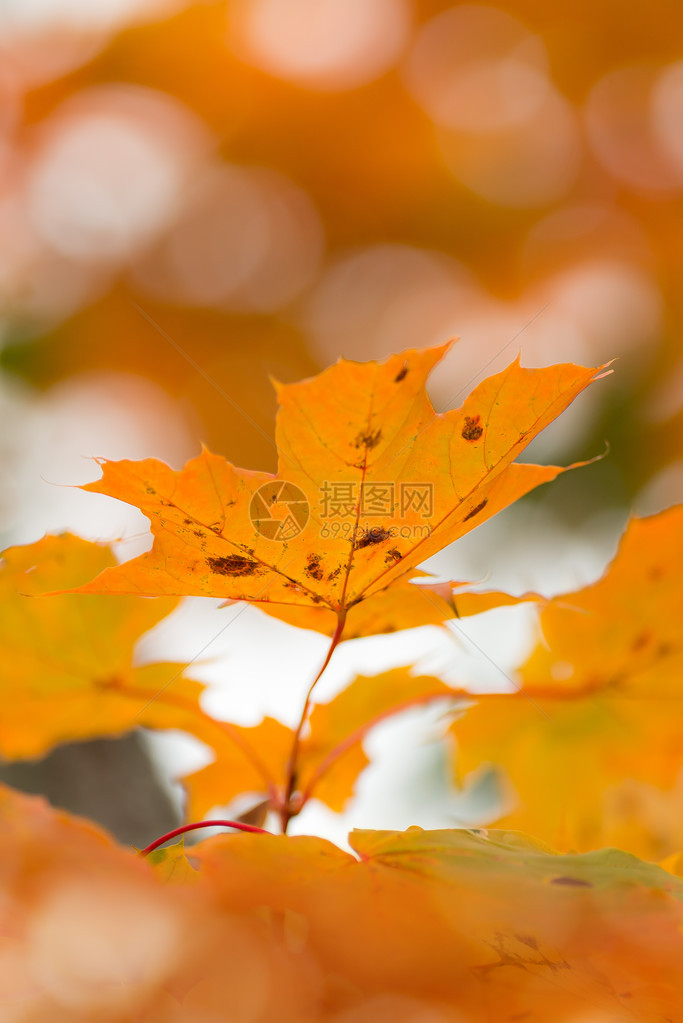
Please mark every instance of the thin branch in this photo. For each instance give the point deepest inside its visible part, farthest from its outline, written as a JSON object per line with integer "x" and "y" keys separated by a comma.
{"x": 286, "y": 810}
{"x": 200, "y": 824}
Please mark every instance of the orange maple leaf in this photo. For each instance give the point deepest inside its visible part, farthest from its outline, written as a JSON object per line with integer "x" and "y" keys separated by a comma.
{"x": 371, "y": 481}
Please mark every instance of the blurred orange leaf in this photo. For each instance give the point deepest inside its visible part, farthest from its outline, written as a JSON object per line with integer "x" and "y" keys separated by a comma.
{"x": 370, "y": 483}
{"x": 231, "y": 774}
{"x": 601, "y": 703}
{"x": 409, "y": 602}
{"x": 444, "y": 925}
{"x": 330, "y": 756}
{"x": 487, "y": 926}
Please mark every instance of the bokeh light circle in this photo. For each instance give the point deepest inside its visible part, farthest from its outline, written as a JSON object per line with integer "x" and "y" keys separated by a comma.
{"x": 323, "y": 44}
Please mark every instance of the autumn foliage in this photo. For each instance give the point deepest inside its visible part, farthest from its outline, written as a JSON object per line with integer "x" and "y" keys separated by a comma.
{"x": 547, "y": 922}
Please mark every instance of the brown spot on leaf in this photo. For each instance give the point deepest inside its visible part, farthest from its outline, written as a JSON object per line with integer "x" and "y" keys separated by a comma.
{"x": 372, "y": 536}
{"x": 109, "y": 682}
{"x": 393, "y": 555}
{"x": 402, "y": 373}
{"x": 641, "y": 640}
{"x": 334, "y": 574}
{"x": 368, "y": 440}
{"x": 576, "y": 882}
{"x": 187, "y": 522}
{"x": 150, "y": 490}
{"x": 313, "y": 569}
{"x": 475, "y": 511}
{"x": 198, "y": 533}
{"x": 472, "y": 430}
{"x": 233, "y": 564}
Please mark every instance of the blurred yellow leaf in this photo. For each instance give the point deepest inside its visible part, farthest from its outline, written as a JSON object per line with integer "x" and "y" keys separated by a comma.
{"x": 601, "y": 703}
{"x": 72, "y": 670}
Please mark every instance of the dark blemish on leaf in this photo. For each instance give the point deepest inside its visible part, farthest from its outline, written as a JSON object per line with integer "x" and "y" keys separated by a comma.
{"x": 472, "y": 430}
{"x": 527, "y": 939}
{"x": 368, "y": 440}
{"x": 577, "y": 882}
{"x": 234, "y": 564}
{"x": 110, "y": 682}
{"x": 216, "y": 527}
{"x": 187, "y": 522}
{"x": 402, "y": 373}
{"x": 150, "y": 490}
{"x": 475, "y": 511}
{"x": 641, "y": 640}
{"x": 316, "y": 599}
{"x": 198, "y": 533}
{"x": 372, "y": 536}
{"x": 334, "y": 574}
{"x": 313, "y": 569}
{"x": 393, "y": 555}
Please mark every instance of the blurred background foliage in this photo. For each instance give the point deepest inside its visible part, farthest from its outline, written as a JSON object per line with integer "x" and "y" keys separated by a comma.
{"x": 275, "y": 183}
{"x": 195, "y": 197}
